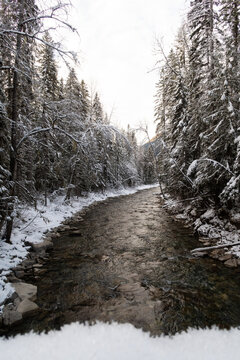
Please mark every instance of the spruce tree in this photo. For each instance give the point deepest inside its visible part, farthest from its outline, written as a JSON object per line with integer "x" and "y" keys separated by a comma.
{"x": 97, "y": 111}
{"x": 48, "y": 70}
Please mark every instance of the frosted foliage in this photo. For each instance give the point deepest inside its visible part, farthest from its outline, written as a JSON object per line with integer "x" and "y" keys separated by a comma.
{"x": 198, "y": 91}
{"x": 231, "y": 191}
{"x": 192, "y": 168}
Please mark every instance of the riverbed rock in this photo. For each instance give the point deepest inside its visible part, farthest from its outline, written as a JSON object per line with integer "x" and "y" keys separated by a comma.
{"x": 230, "y": 227}
{"x": 11, "y": 316}
{"x": 12, "y": 278}
{"x": 63, "y": 228}
{"x": 26, "y": 264}
{"x": 200, "y": 253}
{"x": 232, "y": 263}
{"x": 55, "y": 235}
{"x": 76, "y": 233}
{"x": 27, "y": 307}
{"x": 16, "y": 302}
{"x": 20, "y": 274}
{"x": 39, "y": 271}
{"x": 47, "y": 238}
{"x": 225, "y": 257}
{"x": 209, "y": 214}
{"x": 193, "y": 212}
{"x": 203, "y": 239}
{"x": 43, "y": 246}
{"x": 235, "y": 218}
{"x": 25, "y": 291}
{"x": 215, "y": 254}
{"x": 216, "y": 222}
{"x": 37, "y": 266}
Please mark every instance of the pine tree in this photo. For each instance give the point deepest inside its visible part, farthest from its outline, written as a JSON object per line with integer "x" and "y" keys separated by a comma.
{"x": 230, "y": 14}
{"x": 200, "y": 22}
{"x": 97, "y": 111}
{"x": 47, "y": 103}
{"x": 85, "y": 101}
{"x": 48, "y": 70}
{"x": 72, "y": 90}
{"x": 172, "y": 118}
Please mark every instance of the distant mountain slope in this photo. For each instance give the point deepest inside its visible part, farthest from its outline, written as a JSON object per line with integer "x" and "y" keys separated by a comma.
{"x": 156, "y": 144}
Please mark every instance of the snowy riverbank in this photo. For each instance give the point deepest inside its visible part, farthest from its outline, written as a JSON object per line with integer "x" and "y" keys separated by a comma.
{"x": 116, "y": 341}
{"x": 31, "y": 225}
{"x": 212, "y": 228}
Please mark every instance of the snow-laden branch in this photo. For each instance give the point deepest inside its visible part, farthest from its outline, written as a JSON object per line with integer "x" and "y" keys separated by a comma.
{"x": 32, "y": 133}
{"x": 166, "y": 59}
{"x": 33, "y": 36}
{"x": 50, "y": 17}
{"x": 186, "y": 176}
{"x": 67, "y": 134}
{"x": 193, "y": 165}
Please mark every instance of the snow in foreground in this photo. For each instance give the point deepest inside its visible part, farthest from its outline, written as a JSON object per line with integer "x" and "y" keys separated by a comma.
{"x": 121, "y": 342}
{"x": 32, "y": 224}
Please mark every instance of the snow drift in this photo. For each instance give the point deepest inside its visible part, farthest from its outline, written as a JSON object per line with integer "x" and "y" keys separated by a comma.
{"x": 121, "y": 342}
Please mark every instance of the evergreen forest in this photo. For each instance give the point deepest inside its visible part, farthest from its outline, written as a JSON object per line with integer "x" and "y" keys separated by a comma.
{"x": 197, "y": 107}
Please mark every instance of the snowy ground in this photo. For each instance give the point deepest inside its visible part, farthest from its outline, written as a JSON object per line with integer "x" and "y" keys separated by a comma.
{"x": 32, "y": 224}
{"x": 121, "y": 342}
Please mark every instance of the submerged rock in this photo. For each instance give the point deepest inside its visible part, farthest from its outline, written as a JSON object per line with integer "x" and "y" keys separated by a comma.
{"x": 63, "y": 228}
{"x": 27, "y": 307}
{"x": 232, "y": 263}
{"x": 55, "y": 235}
{"x": 11, "y": 316}
{"x": 225, "y": 257}
{"x": 200, "y": 253}
{"x": 43, "y": 246}
{"x": 76, "y": 233}
{"x": 217, "y": 253}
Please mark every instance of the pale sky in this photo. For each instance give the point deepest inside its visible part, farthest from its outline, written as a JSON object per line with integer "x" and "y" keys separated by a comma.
{"x": 116, "y": 48}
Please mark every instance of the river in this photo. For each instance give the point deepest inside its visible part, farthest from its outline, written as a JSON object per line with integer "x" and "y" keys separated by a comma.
{"x": 129, "y": 261}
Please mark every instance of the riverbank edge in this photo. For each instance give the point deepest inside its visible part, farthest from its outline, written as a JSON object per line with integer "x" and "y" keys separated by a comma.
{"x": 209, "y": 227}
{"x": 19, "y": 301}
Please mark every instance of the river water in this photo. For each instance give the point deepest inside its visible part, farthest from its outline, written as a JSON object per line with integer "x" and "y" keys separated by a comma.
{"x": 130, "y": 262}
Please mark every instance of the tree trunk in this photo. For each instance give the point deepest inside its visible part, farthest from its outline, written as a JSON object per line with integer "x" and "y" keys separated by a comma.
{"x": 14, "y": 118}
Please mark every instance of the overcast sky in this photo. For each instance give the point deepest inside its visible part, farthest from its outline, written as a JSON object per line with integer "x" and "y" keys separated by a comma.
{"x": 116, "y": 48}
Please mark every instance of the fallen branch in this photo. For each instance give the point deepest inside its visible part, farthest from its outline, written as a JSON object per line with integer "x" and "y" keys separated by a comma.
{"x": 24, "y": 228}
{"x": 189, "y": 199}
{"x": 215, "y": 247}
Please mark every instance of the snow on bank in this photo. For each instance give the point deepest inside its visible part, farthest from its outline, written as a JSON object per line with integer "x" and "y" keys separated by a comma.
{"x": 208, "y": 225}
{"x": 118, "y": 342}
{"x": 32, "y": 224}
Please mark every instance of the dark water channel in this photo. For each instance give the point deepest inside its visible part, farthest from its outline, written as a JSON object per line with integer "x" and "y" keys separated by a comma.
{"x": 131, "y": 262}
